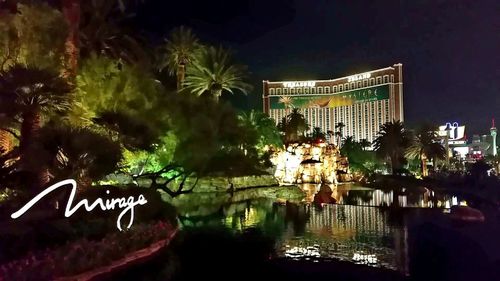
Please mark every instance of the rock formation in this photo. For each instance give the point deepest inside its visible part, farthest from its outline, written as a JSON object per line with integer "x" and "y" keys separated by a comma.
{"x": 310, "y": 163}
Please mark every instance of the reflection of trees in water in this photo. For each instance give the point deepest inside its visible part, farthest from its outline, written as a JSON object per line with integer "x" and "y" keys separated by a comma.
{"x": 354, "y": 196}
{"x": 298, "y": 215}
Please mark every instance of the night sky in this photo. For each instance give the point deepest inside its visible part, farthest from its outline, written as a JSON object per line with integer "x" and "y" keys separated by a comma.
{"x": 450, "y": 50}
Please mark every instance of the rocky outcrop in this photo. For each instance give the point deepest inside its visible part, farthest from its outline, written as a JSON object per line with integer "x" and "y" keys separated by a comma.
{"x": 310, "y": 163}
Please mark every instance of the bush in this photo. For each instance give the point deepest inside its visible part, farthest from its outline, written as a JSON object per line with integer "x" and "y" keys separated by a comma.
{"x": 83, "y": 255}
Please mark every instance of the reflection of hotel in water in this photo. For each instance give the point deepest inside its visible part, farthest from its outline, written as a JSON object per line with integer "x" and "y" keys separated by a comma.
{"x": 362, "y": 102}
{"x": 349, "y": 233}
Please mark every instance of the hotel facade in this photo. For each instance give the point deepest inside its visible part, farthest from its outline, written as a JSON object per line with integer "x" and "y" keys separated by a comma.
{"x": 362, "y": 102}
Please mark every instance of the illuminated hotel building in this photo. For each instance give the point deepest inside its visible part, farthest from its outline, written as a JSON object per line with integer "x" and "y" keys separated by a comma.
{"x": 362, "y": 102}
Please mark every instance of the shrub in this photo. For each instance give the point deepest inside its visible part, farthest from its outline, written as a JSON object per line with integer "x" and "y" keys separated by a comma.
{"x": 83, "y": 254}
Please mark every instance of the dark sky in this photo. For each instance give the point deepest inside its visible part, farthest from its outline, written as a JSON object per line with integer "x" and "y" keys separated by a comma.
{"x": 450, "y": 50}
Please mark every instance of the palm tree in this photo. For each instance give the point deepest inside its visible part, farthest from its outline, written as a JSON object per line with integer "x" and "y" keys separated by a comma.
{"x": 180, "y": 50}
{"x": 330, "y": 134}
{"x": 30, "y": 91}
{"x": 101, "y": 32}
{"x": 339, "y": 126}
{"x": 287, "y": 102}
{"x": 425, "y": 145}
{"x": 264, "y": 126}
{"x": 213, "y": 72}
{"x": 364, "y": 143}
{"x": 296, "y": 125}
{"x": 71, "y": 12}
{"x": 391, "y": 142}
{"x": 317, "y": 134}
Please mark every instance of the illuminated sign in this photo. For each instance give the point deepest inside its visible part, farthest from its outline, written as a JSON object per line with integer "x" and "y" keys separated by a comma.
{"x": 299, "y": 84}
{"x": 359, "y": 77}
{"x": 333, "y": 100}
{"x": 456, "y": 132}
{"x": 127, "y": 204}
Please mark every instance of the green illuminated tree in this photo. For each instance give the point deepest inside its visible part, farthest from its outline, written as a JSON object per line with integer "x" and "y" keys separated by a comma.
{"x": 179, "y": 51}
{"x": 213, "y": 72}
{"x": 392, "y": 142}
{"x": 264, "y": 126}
{"x": 107, "y": 85}
{"x": 34, "y": 35}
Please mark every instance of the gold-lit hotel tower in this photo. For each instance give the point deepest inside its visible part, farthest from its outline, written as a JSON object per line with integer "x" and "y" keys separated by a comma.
{"x": 362, "y": 102}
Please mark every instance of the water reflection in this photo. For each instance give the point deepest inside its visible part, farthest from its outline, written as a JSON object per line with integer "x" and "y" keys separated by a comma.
{"x": 351, "y": 233}
{"x": 351, "y": 194}
{"x": 358, "y": 234}
{"x": 355, "y": 229}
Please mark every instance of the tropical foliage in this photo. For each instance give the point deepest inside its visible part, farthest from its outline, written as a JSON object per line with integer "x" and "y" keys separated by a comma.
{"x": 293, "y": 126}
{"x": 34, "y": 35}
{"x": 213, "y": 73}
{"x": 179, "y": 51}
{"x": 391, "y": 143}
{"x": 425, "y": 145}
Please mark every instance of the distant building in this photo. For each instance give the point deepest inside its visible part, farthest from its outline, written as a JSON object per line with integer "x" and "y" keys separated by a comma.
{"x": 362, "y": 102}
{"x": 457, "y": 139}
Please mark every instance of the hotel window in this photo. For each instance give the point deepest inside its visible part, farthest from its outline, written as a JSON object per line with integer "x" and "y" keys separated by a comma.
{"x": 359, "y": 84}
{"x": 340, "y": 88}
{"x": 346, "y": 86}
{"x": 327, "y": 90}
{"x": 320, "y": 90}
{"x": 292, "y": 91}
{"x": 313, "y": 90}
{"x": 278, "y": 91}
{"x": 271, "y": 91}
{"x": 365, "y": 83}
{"x": 379, "y": 80}
{"x": 353, "y": 85}
{"x": 372, "y": 81}
{"x": 306, "y": 90}
{"x": 285, "y": 91}
{"x": 386, "y": 78}
{"x": 299, "y": 91}
{"x": 334, "y": 89}
{"x": 392, "y": 78}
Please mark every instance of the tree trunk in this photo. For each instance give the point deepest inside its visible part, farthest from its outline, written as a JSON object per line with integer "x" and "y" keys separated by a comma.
{"x": 5, "y": 142}
{"x": 71, "y": 12}
{"x": 423, "y": 159}
{"x": 216, "y": 94}
{"x": 29, "y": 128}
{"x": 181, "y": 74}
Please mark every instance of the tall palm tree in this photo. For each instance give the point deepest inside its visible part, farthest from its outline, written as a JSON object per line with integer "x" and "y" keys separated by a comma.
{"x": 31, "y": 92}
{"x": 330, "y": 134}
{"x": 71, "y": 12}
{"x": 425, "y": 145}
{"x": 287, "y": 102}
{"x": 180, "y": 50}
{"x": 296, "y": 125}
{"x": 364, "y": 143}
{"x": 317, "y": 134}
{"x": 213, "y": 72}
{"x": 391, "y": 142}
{"x": 340, "y": 127}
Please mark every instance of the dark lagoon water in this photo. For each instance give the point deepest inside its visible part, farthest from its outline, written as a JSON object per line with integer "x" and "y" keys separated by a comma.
{"x": 361, "y": 228}
{"x": 407, "y": 233}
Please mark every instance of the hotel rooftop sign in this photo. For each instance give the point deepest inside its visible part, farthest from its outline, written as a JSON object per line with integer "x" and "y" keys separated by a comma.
{"x": 358, "y": 77}
{"x": 299, "y": 84}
